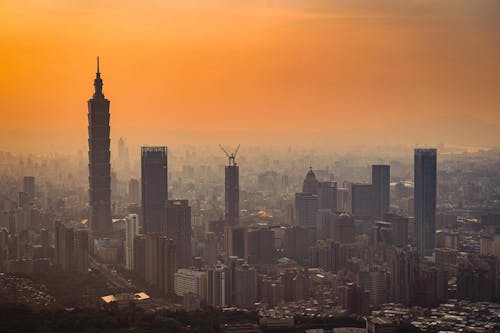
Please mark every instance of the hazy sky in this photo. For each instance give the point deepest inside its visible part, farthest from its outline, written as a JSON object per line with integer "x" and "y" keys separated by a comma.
{"x": 248, "y": 65}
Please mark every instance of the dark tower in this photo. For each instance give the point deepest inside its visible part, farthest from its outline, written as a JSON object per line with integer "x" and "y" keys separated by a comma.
{"x": 99, "y": 165}
{"x": 424, "y": 195}
{"x": 154, "y": 174}
{"x": 381, "y": 187}
{"x": 232, "y": 190}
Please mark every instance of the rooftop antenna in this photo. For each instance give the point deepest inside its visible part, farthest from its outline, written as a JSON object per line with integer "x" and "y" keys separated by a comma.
{"x": 98, "y": 64}
{"x": 232, "y": 156}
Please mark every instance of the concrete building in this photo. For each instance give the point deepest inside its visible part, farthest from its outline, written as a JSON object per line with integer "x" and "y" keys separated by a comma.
{"x": 154, "y": 188}
{"x": 179, "y": 229}
{"x": 306, "y": 207}
{"x": 425, "y": 167}
{"x": 381, "y": 178}
{"x": 190, "y": 281}
{"x": 362, "y": 200}
{"x": 131, "y": 232}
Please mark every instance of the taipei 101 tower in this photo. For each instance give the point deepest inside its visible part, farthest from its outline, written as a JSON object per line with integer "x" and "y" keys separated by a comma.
{"x": 99, "y": 164}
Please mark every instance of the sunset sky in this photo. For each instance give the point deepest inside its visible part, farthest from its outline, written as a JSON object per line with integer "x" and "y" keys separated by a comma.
{"x": 243, "y": 65}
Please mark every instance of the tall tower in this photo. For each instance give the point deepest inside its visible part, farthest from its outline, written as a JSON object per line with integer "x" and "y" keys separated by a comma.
{"x": 425, "y": 200}
{"x": 232, "y": 190}
{"x": 381, "y": 177}
{"x": 99, "y": 164}
{"x": 154, "y": 174}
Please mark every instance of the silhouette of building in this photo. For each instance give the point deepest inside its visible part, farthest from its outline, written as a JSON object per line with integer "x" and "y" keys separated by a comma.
{"x": 29, "y": 188}
{"x": 311, "y": 184}
{"x": 235, "y": 237}
{"x": 218, "y": 286}
{"x": 131, "y": 232}
{"x": 327, "y": 196}
{"x": 244, "y": 286}
{"x": 381, "y": 178}
{"x": 134, "y": 194}
{"x": 425, "y": 200}
{"x": 404, "y": 273}
{"x": 210, "y": 250}
{"x": 99, "y": 160}
{"x": 179, "y": 229}
{"x": 343, "y": 228}
{"x": 232, "y": 194}
{"x": 296, "y": 244}
{"x": 362, "y": 200}
{"x": 154, "y": 188}
{"x": 259, "y": 246}
{"x": 306, "y": 207}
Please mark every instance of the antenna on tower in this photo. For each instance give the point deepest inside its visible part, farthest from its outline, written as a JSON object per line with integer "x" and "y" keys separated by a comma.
{"x": 232, "y": 156}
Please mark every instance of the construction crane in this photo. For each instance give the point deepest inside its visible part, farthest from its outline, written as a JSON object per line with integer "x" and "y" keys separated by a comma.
{"x": 232, "y": 156}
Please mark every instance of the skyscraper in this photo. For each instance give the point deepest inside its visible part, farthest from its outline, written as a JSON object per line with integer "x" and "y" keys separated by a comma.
{"x": 133, "y": 191}
{"x": 179, "y": 229}
{"x": 381, "y": 177}
{"x": 425, "y": 200}
{"x": 29, "y": 188}
{"x": 154, "y": 188}
{"x": 361, "y": 198}
{"x": 306, "y": 207}
{"x": 232, "y": 193}
{"x": 99, "y": 164}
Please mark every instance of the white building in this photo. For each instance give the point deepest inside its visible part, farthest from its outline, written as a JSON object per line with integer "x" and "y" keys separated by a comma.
{"x": 189, "y": 281}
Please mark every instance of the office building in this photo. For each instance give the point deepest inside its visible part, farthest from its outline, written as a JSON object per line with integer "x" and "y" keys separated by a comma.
{"x": 99, "y": 161}
{"x": 235, "y": 241}
{"x": 343, "y": 228}
{"x": 259, "y": 246}
{"x": 210, "y": 249}
{"x": 310, "y": 184}
{"x": 81, "y": 260}
{"x": 404, "y": 273}
{"x": 154, "y": 188}
{"x": 218, "y": 286}
{"x": 131, "y": 232}
{"x": 296, "y": 244}
{"x": 134, "y": 194}
{"x": 245, "y": 286}
{"x": 306, "y": 207}
{"x": 327, "y": 196}
{"x": 425, "y": 200}
{"x": 29, "y": 189}
{"x": 362, "y": 200}
{"x": 179, "y": 229}
{"x": 232, "y": 193}
{"x": 190, "y": 281}
{"x": 381, "y": 178}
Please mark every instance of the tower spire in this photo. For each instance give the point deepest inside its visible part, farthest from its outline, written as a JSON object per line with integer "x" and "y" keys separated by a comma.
{"x": 98, "y": 83}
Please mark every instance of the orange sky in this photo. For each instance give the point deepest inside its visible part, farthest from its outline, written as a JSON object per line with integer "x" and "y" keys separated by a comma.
{"x": 248, "y": 65}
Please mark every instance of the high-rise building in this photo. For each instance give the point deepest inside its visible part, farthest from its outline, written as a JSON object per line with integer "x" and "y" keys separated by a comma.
{"x": 235, "y": 241}
{"x": 296, "y": 244}
{"x": 81, "y": 260}
{"x": 324, "y": 223}
{"x": 259, "y": 246}
{"x": 311, "y": 184}
{"x": 425, "y": 200}
{"x": 404, "y": 273}
{"x": 29, "y": 188}
{"x": 140, "y": 256}
{"x": 190, "y": 281}
{"x": 361, "y": 200}
{"x": 343, "y": 228}
{"x": 160, "y": 263}
{"x": 375, "y": 282}
{"x": 64, "y": 246}
{"x": 154, "y": 188}
{"x": 232, "y": 193}
{"x": 134, "y": 194}
{"x": 381, "y": 178}
{"x": 327, "y": 196}
{"x": 99, "y": 160}
{"x": 131, "y": 232}
{"x": 306, "y": 207}
{"x": 210, "y": 249}
{"x": 245, "y": 286}
{"x": 218, "y": 286}
{"x": 179, "y": 229}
